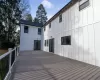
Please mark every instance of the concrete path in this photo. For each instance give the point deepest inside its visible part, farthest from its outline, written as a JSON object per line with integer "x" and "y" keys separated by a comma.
{"x": 39, "y": 65}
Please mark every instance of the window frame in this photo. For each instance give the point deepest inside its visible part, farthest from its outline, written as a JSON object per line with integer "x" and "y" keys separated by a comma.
{"x": 45, "y": 43}
{"x": 49, "y": 25}
{"x": 26, "y": 27}
{"x": 39, "y": 32}
{"x": 64, "y": 40}
{"x": 84, "y": 5}
{"x": 44, "y": 28}
{"x": 60, "y": 18}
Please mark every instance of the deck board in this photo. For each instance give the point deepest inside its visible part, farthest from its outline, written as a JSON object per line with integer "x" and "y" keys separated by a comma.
{"x": 39, "y": 65}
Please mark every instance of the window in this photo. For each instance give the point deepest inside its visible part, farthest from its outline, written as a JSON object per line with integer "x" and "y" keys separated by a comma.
{"x": 50, "y": 25}
{"x": 39, "y": 31}
{"x": 60, "y": 18}
{"x": 44, "y": 28}
{"x": 25, "y": 29}
{"x": 66, "y": 40}
{"x": 83, "y": 4}
{"x": 45, "y": 43}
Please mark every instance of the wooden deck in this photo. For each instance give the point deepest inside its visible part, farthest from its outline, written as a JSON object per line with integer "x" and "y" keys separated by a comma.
{"x": 39, "y": 65}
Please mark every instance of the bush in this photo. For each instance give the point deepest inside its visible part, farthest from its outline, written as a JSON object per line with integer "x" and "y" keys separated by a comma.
{"x": 6, "y": 45}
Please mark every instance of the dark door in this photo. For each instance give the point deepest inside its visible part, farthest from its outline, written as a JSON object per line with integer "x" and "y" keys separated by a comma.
{"x": 37, "y": 44}
{"x": 51, "y": 45}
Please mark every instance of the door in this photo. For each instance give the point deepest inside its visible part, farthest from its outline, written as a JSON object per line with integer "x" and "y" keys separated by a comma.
{"x": 51, "y": 45}
{"x": 37, "y": 44}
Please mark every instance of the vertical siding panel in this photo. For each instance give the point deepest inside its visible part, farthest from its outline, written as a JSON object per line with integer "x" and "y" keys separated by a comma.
{"x": 69, "y": 55}
{"x": 76, "y": 44}
{"x": 85, "y": 17}
{"x": 97, "y": 43}
{"x": 81, "y": 53}
{"x": 64, "y": 30}
{"x": 67, "y": 47}
{"x": 91, "y": 45}
{"x": 70, "y": 47}
{"x": 61, "y": 46}
{"x": 80, "y": 19}
{"x": 67, "y": 20}
{"x": 85, "y": 34}
{"x": 76, "y": 19}
{"x": 90, "y": 13}
{"x": 96, "y": 7}
{"x": 73, "y": 42}
{"x": 70, "y": 19}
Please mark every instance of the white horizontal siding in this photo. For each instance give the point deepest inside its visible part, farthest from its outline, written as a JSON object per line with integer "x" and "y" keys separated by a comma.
{"x": 27, "y": 39}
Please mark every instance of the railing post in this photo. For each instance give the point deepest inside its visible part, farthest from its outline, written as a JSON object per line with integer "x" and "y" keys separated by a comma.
{"x": 10, "y": 59}
{"x": 15, "y": 53}
{"x": 18, "y": 51}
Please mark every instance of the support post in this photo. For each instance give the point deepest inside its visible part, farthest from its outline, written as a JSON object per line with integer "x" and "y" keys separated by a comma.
{"x": 15, "y": 53}
{"x": 10, "y": 59}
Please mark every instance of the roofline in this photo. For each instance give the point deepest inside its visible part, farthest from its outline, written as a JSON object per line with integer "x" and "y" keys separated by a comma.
{"x": 67, "y": 6}
{"x": 31, "y": 25}
{"x": 27, "y": 22}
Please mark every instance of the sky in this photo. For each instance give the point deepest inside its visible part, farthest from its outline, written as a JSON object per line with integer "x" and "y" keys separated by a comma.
{"x": 51, "y": 6}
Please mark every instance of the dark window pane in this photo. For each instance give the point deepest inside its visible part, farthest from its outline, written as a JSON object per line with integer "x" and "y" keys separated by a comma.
{"x": 84, "y": 5}
{"x": 62, "y": 41}
{"x": 25, "y": 29}
{"x": 50, "y": 25}
{"x": 44, "y": 28}
{"x": 45, "y": 42}
{"x": 60, "y": 18}
{"x": 66, "y": 40}
{"x": 39, "y": 31}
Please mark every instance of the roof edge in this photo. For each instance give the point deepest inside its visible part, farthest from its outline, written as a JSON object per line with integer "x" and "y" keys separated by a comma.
{"x": 27, "y": 22}
{"x": 67, "y": 6}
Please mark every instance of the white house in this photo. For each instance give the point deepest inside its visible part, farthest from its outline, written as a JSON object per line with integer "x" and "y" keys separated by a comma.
{"x": 74, "y": 31}
{"x": 31, "y": 36}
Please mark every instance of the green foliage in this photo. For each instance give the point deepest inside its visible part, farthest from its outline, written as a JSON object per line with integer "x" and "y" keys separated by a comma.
{"x": 41, "y": 14}
{"x": 10, "y": 14}
{"x": 36, "y": 20}
{"x": 6, "y": 45}
{"x": 29, "y": 17}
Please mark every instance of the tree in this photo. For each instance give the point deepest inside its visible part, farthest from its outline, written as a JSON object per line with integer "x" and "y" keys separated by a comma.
{"x": 10, "y": 15}
{"x": 24, "y": 7}
{"x": 29, "y": 17}
{"x": 36, "y": 20}
{"x": 11, "y": 12}
{"x": 41, "y": 14}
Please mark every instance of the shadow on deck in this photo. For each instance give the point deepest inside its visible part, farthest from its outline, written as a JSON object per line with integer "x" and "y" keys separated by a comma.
{"x": 39, "y": 65}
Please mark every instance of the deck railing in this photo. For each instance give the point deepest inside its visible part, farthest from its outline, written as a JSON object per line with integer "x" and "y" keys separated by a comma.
{"x": 7, "y": 61}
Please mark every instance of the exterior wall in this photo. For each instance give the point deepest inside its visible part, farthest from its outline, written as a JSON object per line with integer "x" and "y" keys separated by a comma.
{"x": 84, "y": 28}
{"x": 42, "y": 39}
{"x": 27, "y": 39}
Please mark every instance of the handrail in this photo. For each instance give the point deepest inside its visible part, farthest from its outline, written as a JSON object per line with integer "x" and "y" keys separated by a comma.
{"x": 8, "y": 59}
{"x": 5, "y": 54}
